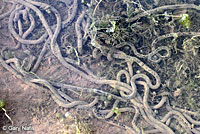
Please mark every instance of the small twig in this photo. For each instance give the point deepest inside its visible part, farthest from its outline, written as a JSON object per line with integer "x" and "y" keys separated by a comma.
{"x": 7, "y": 115}
{"x": 96, "y": 7}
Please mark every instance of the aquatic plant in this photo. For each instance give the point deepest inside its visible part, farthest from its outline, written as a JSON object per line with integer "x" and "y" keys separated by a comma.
{"x": 185, "y": 20}
{"x": 116, "y": 111}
